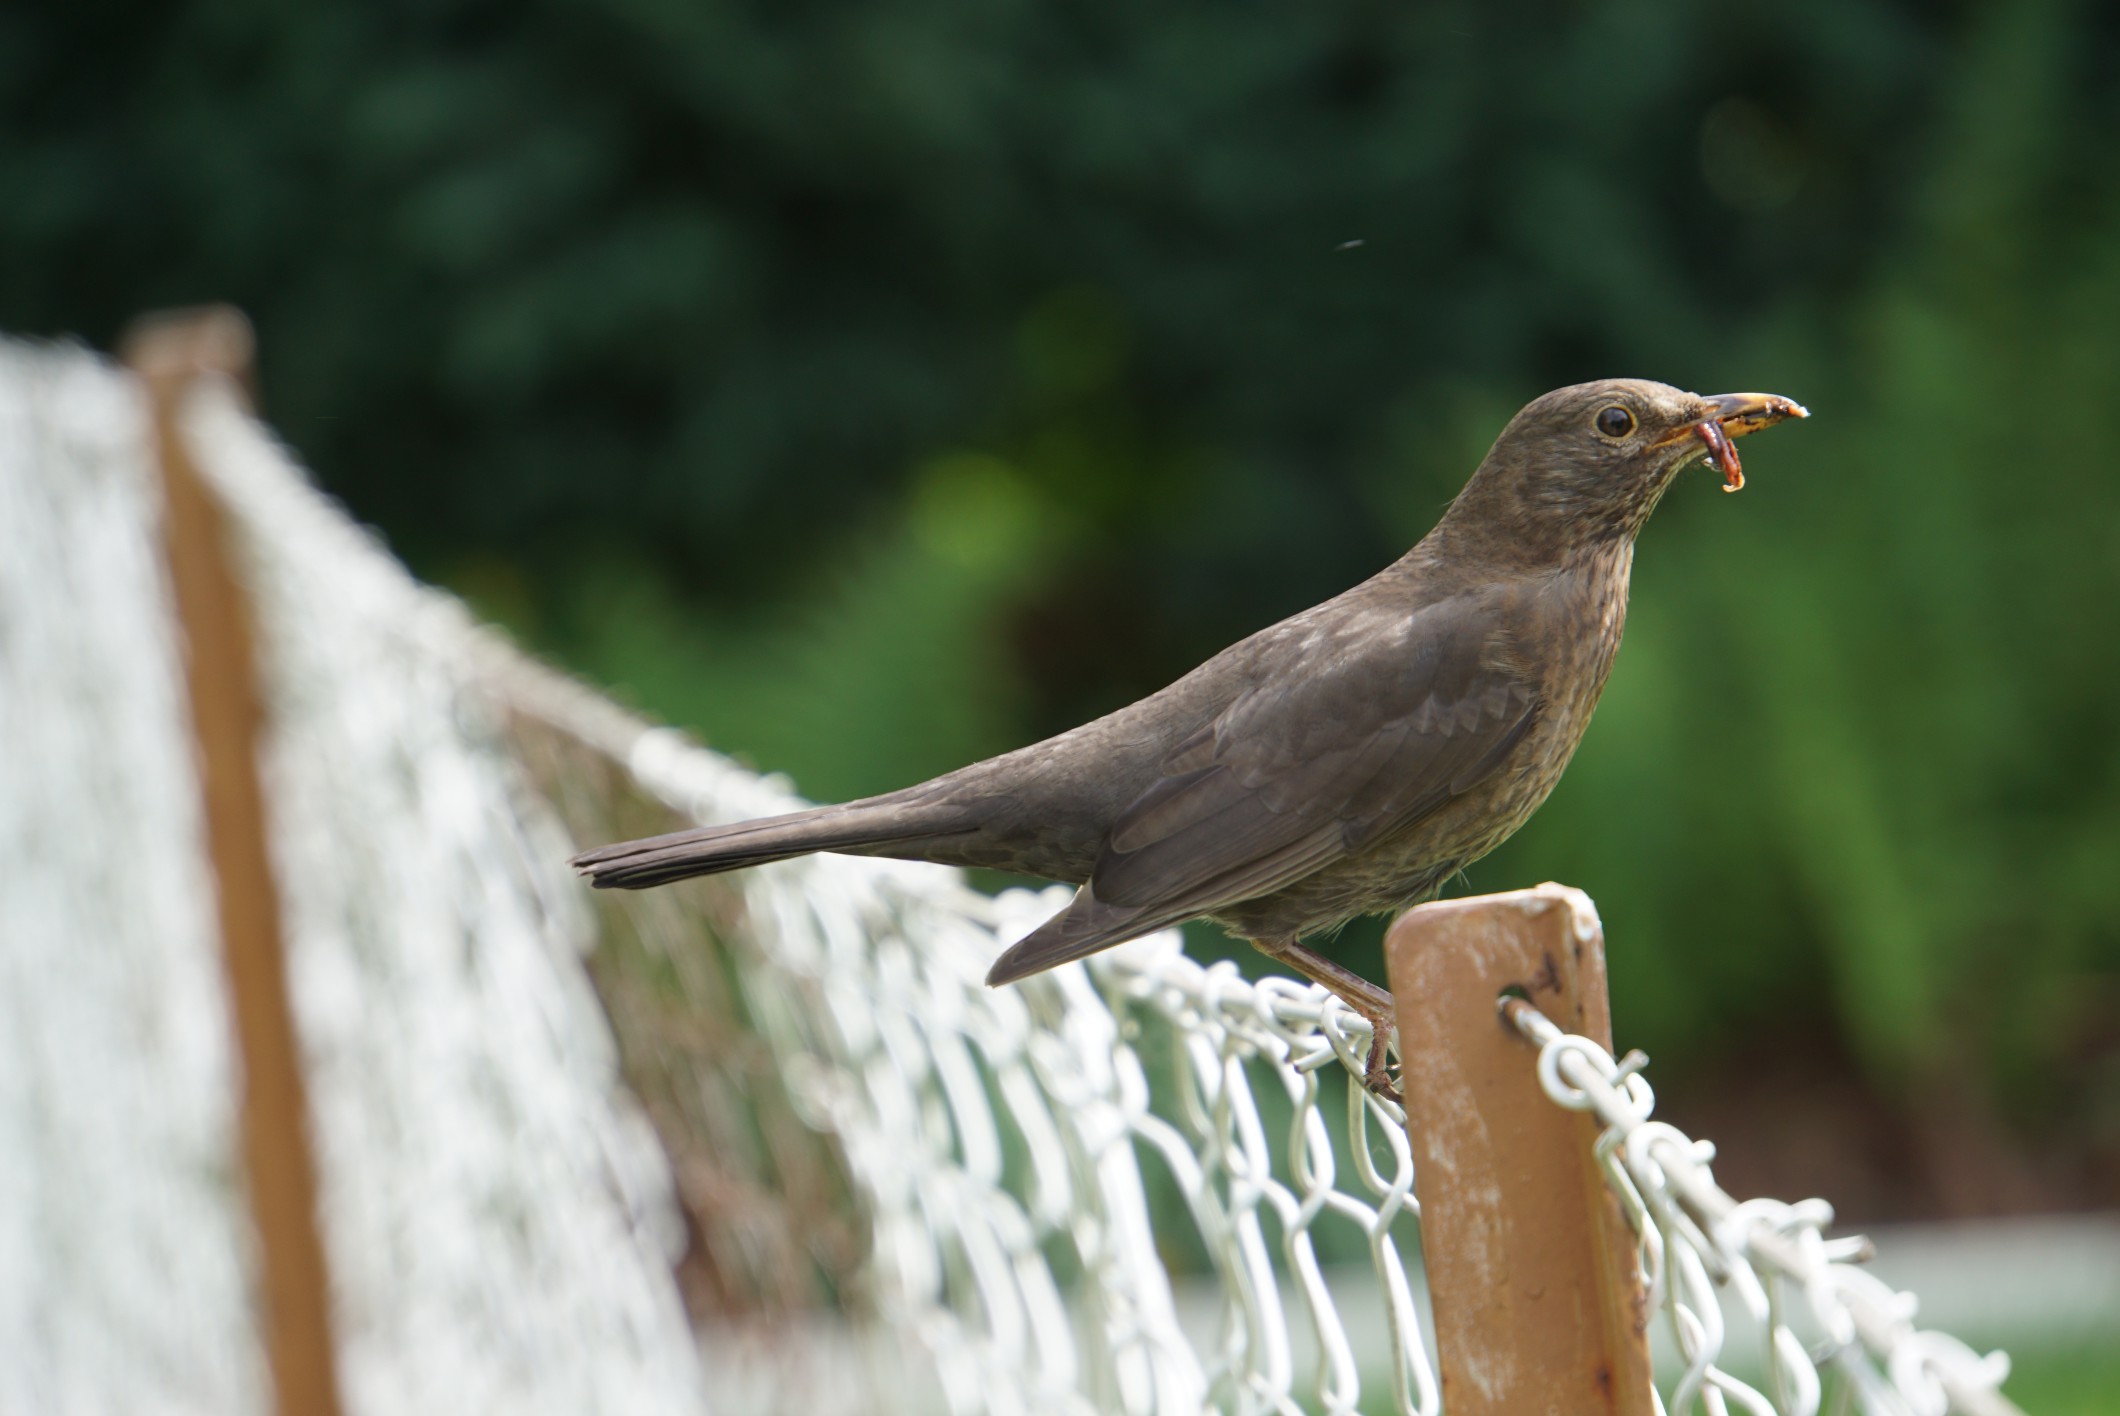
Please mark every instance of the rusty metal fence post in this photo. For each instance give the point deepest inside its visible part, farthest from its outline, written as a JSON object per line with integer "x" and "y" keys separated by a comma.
{"x": 1539, "y": 1302}
{"x": 227, "y": 711}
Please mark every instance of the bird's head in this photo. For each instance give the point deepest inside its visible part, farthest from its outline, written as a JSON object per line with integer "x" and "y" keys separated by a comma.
{"x": 1589, "y": 462}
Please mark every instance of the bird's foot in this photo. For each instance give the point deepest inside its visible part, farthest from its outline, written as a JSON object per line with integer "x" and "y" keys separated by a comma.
{"x": 1364, "y": 998}
{"x": 1376, "y": 1071}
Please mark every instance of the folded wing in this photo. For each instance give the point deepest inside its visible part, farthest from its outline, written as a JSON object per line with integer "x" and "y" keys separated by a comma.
{"x": 1374, "y": 731}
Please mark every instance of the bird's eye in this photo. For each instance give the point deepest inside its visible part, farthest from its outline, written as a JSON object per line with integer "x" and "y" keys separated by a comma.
{"x": 1615, "y": 422}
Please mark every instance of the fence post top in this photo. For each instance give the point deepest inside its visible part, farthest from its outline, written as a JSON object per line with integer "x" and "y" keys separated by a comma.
{"x": 1533, "y": 902}
{"x": 175, "y": 346}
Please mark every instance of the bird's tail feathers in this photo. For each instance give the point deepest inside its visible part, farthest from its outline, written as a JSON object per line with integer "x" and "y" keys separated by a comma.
{"x": 865, "y": 827}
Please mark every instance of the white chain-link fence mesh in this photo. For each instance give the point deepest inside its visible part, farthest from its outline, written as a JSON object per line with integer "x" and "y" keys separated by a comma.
{"x": 883, "y": 1185}
{"x": 1818, "y": 1313}
{"x": 117, "y": 1100}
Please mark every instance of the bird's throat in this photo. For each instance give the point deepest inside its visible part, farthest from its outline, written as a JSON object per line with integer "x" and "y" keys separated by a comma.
{"x": 1594, "y": 606}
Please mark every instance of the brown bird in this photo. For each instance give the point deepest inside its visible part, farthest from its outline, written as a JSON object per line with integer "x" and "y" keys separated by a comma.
{"x": 1346, "y": 761}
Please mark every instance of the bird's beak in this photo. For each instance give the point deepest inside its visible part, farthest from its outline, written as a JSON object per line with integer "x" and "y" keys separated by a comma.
{"x": 1741, "y": 413}
{"x": 1732, "y": 415}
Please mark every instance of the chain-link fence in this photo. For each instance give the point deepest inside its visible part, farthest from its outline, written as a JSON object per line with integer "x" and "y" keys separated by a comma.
{"x": 880, "y": 1185}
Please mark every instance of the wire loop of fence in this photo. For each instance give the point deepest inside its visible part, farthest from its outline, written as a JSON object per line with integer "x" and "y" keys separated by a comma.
{"x": 1821, "y": 1312}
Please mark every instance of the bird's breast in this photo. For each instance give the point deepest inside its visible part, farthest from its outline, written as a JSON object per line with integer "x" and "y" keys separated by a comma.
{"x": 1570, "y": 641}
{"x": 1588, "y": 614}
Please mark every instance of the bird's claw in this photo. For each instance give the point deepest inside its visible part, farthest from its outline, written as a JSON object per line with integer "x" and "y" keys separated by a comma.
{"x": 1376, "y": 1071}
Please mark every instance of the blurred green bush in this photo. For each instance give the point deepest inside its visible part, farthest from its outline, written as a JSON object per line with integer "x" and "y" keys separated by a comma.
{"x": 871, "y": 387}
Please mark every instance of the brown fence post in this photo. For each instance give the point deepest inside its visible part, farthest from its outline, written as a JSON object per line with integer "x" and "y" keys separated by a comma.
{"x": 1539, "y": 1304}
{"x": 168, "y": 352}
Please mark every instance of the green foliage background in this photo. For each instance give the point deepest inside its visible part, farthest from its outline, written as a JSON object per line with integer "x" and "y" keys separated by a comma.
{"x": 873, "y": 386}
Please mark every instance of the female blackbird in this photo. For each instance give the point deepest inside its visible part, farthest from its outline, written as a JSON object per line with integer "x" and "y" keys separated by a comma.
{"x": 1346, "y": 761}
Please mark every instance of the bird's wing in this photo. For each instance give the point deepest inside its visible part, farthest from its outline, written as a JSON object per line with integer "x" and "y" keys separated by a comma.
{"x": 1378, "y": 724}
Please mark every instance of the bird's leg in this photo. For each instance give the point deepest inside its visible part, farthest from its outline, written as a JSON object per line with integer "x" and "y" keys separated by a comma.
{"x": 1356, "y": 992}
